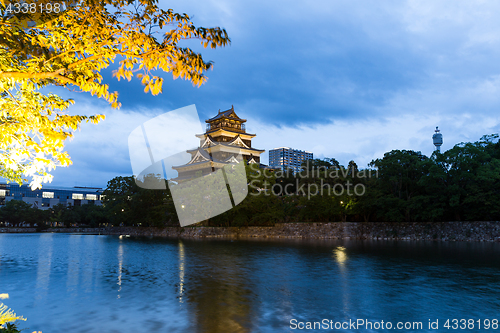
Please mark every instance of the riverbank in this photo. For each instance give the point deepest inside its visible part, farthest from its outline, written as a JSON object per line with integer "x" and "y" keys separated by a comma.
{"x": 444, "y": 231}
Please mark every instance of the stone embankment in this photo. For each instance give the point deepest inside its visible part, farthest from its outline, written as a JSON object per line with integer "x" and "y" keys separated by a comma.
{"x": 444, "y": 231}
{"x": 17, "y": 230}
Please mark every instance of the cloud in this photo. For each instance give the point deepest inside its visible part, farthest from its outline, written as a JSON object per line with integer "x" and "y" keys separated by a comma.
{"x": 100, "y": 152}
{"x": 338, "y": 78}
{"x": 364, "y": 140}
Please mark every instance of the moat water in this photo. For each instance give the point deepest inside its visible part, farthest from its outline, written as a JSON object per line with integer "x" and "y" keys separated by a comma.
{"x": 90, "y": 283}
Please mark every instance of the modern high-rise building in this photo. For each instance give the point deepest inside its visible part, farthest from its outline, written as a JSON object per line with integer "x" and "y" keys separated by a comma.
{"x": 285, "y": 157}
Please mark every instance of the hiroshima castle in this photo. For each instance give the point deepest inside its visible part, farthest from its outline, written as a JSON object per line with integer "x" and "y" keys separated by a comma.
{"x": 224, "y": 142}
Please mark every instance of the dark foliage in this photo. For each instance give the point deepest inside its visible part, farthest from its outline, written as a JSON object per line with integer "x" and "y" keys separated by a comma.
{"x": 462, "y": 183}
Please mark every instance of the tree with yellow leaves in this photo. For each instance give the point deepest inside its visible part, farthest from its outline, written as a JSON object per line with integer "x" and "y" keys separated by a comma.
{"x": 48, "y": 42}
{"x": 7, "y": 316}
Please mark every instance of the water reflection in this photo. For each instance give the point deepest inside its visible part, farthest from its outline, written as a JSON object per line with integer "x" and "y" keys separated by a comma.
{"x": 181, "y": 270}
{"x": 120, "y": 268}
{"x": 74, "y": 254}
{"x": 340, "y": 256}
{"x": 218, "y": 291}
{"x": 88, "y": 264}
{"x": 151, "y": 285}
{"x": 44, "y": 266}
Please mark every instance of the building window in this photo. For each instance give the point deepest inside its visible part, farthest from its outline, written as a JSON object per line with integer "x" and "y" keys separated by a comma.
{"x": 49, "y": 195}
{"x": 77, "y": 196}
{"x": 91, "y": 197}
{"x": 3, "y": 193}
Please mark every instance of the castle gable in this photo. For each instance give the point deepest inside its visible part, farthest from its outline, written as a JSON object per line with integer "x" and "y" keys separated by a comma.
{"x": 209, "y": 142}
{"x": 200, "y": 156}
{"x": 237, "y": 142}
{"x": 232, "y": 159}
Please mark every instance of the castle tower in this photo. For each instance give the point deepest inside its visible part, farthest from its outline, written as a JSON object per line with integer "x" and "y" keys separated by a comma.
{"x": 437, "y": 139}
{"x": 225, "y": 141}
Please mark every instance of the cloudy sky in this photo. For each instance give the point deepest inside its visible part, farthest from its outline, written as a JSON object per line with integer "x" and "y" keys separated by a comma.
{"x": 344, "y": 79}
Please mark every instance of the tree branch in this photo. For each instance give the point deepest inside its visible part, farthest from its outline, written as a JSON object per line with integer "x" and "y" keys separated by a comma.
{"x": 55, "y": 75}
{"x": 21, "y": 75}
{"x": 66, "y": 79}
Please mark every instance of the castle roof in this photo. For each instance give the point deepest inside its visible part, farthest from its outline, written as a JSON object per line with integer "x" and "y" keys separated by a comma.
{"x": 235, "y": 142}
{"x": 200, "y": 156}
{"x": 225, "y": 129}
{"x": 230, "y": 114}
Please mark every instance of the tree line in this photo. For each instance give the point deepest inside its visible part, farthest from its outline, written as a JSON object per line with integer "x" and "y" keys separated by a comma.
{"x": 17, "y": 213}
{"x": 460, "y": 184}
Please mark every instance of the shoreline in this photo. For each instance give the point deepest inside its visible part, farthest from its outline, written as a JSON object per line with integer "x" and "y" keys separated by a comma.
{"x": 487, "y": 231}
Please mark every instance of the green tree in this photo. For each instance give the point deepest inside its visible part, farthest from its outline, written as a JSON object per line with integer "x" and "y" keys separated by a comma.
{"x": 367, "y": 205}
{"x": 465, "y": 180}
{"x": 317, "y": 163}
{"x": 57, "y": 213}
{"x": 71, "y": 216}
{"x": 35, "y": 216}
{"x": 118, "y": 199}
{"x": 70, "y": 49}
{"x": 16, "y": 212}
{"x": 129, "y": 204}
{"x": 399, "y": 174}
{"x": 91, "y": 215}
{"x": 154, "y": 207}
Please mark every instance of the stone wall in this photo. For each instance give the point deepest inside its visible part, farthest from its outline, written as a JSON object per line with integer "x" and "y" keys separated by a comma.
{"x": 445, "y": 231}
{"x": 17, "y": 230}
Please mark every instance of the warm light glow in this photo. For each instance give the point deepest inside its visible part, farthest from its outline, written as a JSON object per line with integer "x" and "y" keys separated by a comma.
{"x": 181, "y": 270}
{"x": 340, "y": 255}
{"x": 120, "y": 268}
{"x": 91, "y": 197}
{"x": 77, "y": 196}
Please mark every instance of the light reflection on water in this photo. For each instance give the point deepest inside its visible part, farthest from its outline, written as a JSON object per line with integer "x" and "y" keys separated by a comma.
{"x": 181, "y": 270}
{"x": 120, "y": 268}
{"x": 43, "y": 267}
{"x": 73, "y": 265}
{"x": 84, "y": 283}
{"x": 341, "y": 257}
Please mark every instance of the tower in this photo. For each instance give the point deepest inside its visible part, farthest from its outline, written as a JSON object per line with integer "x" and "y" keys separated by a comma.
{"x": 224, "y": 142}
{"x": 437, "y": 139}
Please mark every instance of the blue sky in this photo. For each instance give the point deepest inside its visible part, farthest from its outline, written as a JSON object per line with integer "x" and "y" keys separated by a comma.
{"x": 342, "y": 79}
